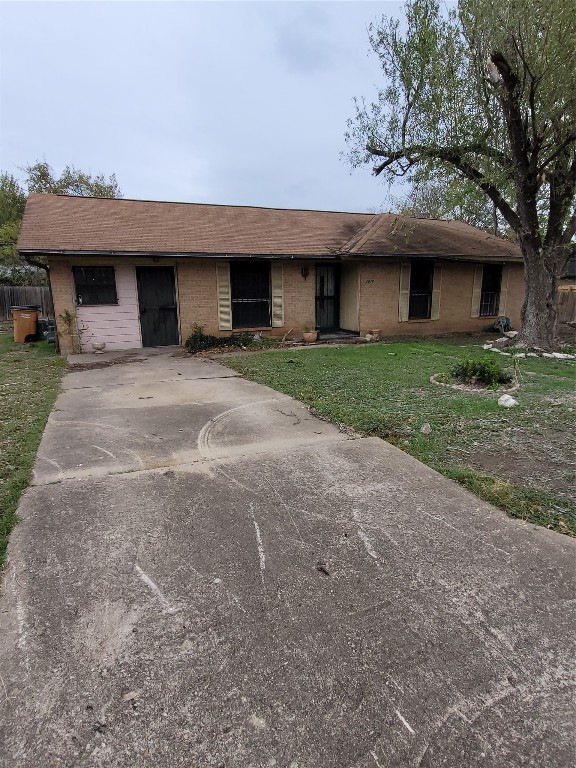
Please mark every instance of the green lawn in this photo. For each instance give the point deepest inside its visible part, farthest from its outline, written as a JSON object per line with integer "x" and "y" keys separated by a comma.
{"x": 521, "y": 459}
{"x": 29, "y": 380}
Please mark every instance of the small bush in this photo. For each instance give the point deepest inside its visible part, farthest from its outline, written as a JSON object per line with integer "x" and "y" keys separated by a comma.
{"x": 198, "y": 341}
{"x": 481, "y": 371}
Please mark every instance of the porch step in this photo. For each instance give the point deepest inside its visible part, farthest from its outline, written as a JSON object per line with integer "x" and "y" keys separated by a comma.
{"x": 341, "y": 337}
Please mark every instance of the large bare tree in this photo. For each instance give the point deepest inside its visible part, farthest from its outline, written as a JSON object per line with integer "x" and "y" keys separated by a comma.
{"x": 485, "y": 92}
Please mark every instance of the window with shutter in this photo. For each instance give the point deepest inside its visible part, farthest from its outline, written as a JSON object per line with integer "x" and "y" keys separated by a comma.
{"x": 251, "y": 294}
{"x": 404, "y": 293}
{"x": 277, "y": 294}
{"x": 491, "y": 288}
{"x": 421, "y": 287}
{"x": 224, "y": 303}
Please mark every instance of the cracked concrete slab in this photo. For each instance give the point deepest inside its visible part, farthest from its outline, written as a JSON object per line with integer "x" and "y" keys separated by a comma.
{"x": 258, "y": 589}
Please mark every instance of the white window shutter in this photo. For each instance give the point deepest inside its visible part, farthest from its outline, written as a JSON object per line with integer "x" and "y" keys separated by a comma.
{"x": 436, "y": 291}
{"x": 404, "y": 293}
{"x": 503, "y": 292}
{"x": 224, "y": 297}
{"x": 276, "y": 279}
{"x": 477, "y": 290}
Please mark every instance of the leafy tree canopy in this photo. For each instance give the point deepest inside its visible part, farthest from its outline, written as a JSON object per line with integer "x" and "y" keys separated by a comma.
{"x": 447, "y": 197}
{"x": 485, "y": 94}
{"x": 39, "y": 177}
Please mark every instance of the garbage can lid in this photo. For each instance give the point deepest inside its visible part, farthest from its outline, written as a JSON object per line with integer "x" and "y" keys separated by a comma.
{"x": 26, "y": 306}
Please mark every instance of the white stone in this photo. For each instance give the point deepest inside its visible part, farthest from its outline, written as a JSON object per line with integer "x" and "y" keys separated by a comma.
{"x": 532, "y": 354}
{"x": 548, "y": 354}
{"x": 486, "y": 346}
{"x": 426, "y": 429}
{"x": 520, "y": 354}
{"x": 511, "y": 334}
{"x": 506, "y": 401}
{"x": 562, "y": 356}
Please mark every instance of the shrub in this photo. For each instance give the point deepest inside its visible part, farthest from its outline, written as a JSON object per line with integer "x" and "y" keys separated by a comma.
{"x": 482, "y": 371}
{"x": 198, "y": 341}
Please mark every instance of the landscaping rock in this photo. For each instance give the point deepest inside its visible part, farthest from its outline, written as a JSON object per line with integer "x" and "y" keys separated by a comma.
{"x": 502, "y": 342}
{"x": 511, "y": 334}
{"x": 506, "y": 401}
{"x": 426, "y": 429}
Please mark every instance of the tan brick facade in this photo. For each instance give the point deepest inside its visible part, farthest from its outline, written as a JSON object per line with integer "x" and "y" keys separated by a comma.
{"x": 378, "y": 297}
{"x": 379, "y": 286}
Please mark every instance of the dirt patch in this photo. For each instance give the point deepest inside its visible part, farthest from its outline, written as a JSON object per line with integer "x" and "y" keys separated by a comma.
{"x": 548, "y": 463}
{"x": 77, "y": 367}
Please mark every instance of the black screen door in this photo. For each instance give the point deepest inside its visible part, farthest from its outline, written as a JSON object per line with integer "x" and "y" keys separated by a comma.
{"x": 327, "y": 297}
{"x": 157, "y": 300}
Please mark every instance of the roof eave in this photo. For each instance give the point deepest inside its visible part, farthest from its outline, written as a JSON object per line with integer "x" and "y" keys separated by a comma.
{"x": 173, "y": 254}
{"x": 440, "y": 256}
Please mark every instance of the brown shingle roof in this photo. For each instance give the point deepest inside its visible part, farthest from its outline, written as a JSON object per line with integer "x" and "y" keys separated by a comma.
{"x": 58, "y": 223}
{"x": 406, "y": 236}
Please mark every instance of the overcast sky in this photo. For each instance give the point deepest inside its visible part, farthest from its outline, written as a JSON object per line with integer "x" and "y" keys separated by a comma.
{"x": 222, "y": 102}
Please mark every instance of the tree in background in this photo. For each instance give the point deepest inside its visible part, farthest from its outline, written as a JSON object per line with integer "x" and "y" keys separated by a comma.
{"x": 14, "y": 271}
{"x": 486, "y": 94}
{"x": 448, "y": 198}
{"x": 39, "y": 177}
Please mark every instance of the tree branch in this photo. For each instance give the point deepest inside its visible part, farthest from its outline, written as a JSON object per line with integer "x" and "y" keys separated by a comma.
{"x": 423, "y": 150}
{"x": 570, "y": 139}
{"x": 29, "y": 260}
{"x": 452, "y": 156}
{"x": 561, "y": 195}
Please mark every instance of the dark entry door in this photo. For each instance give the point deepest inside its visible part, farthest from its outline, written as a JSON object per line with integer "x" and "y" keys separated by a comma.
{"x": 327, "y": 297}
{"x": 157, "y": 300}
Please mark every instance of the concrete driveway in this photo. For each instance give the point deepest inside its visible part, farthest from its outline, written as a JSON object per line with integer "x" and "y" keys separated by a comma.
{"x": 206, "y": 575}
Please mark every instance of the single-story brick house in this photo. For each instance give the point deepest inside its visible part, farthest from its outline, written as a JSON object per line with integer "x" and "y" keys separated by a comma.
{"x": 135, "y": 273}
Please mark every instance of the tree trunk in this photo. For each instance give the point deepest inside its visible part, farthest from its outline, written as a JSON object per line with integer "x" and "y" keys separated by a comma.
{"x": 539, "y": 316}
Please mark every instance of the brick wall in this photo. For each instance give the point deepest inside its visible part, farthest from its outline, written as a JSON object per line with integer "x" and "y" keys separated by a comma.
{"x": 197, "y": 296}
{"x": 64, "y": 306}
{"x": 378, "y": 285}
{"x": 299, "y": 297}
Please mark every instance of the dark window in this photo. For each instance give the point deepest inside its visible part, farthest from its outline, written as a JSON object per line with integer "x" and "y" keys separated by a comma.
{"x": 490, "y": 295}
{"x": 421, "y": 282}
{"x": 250, "y": 287}
{"x": 95, "y": 285}
{"x": 570, "y": 267}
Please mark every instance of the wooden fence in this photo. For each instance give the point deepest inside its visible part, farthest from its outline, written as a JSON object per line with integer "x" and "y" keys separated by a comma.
{"x": 567, "y": 306}
{"x": 22, "y": 295}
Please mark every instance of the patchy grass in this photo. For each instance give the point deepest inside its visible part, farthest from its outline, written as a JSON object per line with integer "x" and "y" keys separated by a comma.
{"x": 521, "y": 460}
{"x": 29, "y": 381}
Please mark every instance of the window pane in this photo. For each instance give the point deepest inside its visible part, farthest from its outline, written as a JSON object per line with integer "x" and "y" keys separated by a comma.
{"x": 95, "y": 285}
{"x": 421, "y": 276}
{"x": 250, "y": 288}
{"x": 490, "y": 296}
{"x": 421, "y": 280}
{"x": 491, "y": 277}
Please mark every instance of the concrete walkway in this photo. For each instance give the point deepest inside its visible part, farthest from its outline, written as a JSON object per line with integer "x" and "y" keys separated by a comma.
{"x": 206, "y": 575}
